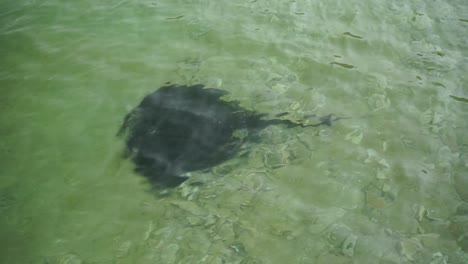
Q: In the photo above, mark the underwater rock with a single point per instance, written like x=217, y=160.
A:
x=169, y=254
x=438, y=258
x=348, y=245
x=377, y=198
x=355, y=136
x=277, y=158
x=377, y=102
x=462, y=209
x=124, y=249
x=459, y=229
x=461, y=181
x=69, y=259
x=179, y=129
x=410, y=248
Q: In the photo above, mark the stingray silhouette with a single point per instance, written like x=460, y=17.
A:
x=179, y=129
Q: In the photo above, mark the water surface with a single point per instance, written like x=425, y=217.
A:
x=388, y=185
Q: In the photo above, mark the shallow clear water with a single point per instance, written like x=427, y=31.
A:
x=388, y=185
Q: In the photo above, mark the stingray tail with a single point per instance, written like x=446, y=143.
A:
x=327, y=120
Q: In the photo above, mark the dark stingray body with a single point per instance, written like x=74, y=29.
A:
x=178, y=129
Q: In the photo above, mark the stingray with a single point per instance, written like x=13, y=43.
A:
x=179, y=129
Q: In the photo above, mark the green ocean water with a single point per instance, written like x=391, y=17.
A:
x=388, y=185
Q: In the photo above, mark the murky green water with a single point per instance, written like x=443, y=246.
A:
x=389, y=185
